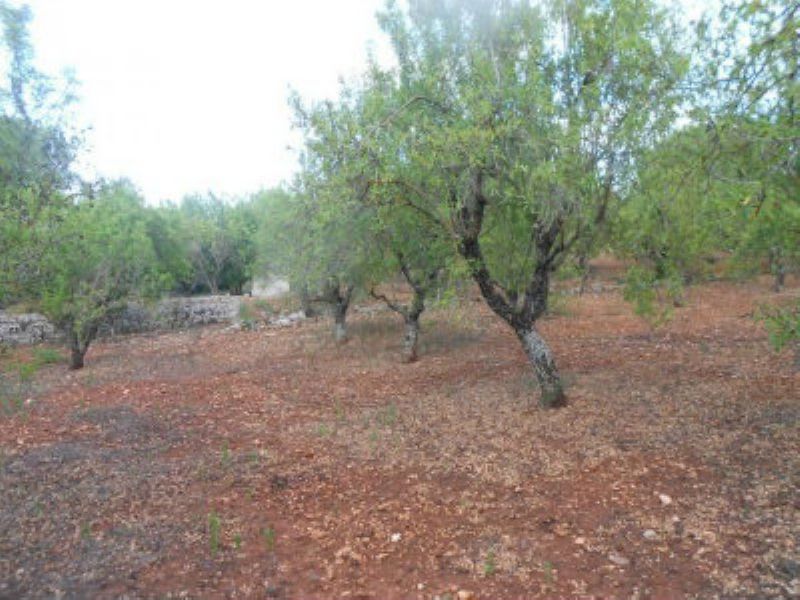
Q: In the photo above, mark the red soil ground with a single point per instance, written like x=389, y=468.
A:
x=250, y=464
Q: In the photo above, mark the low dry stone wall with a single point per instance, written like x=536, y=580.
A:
x=168, y=314
x=28, y=328
x=175, y=313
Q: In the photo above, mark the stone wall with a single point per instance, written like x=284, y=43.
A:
x=28, y=328
x=175, y=313
x=168, y=314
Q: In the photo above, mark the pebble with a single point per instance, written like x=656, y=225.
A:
x=665, y=500
x=618, y=559
x=396, y=537
x=650, y=534
x=465, y=595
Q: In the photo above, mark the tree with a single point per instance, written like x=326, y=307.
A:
x=103, y=260
x=418, y=251
x=220, y=239
x=36, y=155
x=675, y=221
x=336, y=257
x=518, y=127
x=765, y=91
x=167, y=231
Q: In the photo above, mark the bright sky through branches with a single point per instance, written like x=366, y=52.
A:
x=189, y=96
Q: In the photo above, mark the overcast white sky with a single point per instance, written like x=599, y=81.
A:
x=190, y=95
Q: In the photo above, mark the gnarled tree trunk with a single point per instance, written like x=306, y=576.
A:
x=410, y=313
x=519, y=308
x=338, y=297
x=340, y=323
x=411, y=339
x=778, y=268
x=306, y=306
x=78, y=346
x=544, y=366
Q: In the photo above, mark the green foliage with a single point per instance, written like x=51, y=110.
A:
x=490, y=564
x=214, y=533
x=219, y=242
x=103, y=260
x=547, y=128
x=47, y=356
x=508, y=133
x=783, y=325
x=268, y=534
x=36, y=155
x=652, y=295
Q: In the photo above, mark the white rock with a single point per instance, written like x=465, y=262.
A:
x=396, y=537
x=618, y=559
x=650, y=534
x=665, y=500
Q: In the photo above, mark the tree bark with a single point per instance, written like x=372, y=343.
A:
x=778, y=268
x=544, y=366
x=411, y=339
x=520, y=309
x=585, y=271
x=305, y=303
x=340, y=302
x=77, y=351
x=340, y=323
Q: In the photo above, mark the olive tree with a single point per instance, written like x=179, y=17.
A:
x=518, y=128
x=104, y=259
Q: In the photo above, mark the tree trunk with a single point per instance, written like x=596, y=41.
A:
x=780, y=279
x=411, y=339
x=778, y=268
x=585, y=271
x=77, y=351
x=305, y=303
x=339, y=300
x=520, y=311
x=340, y=323
x=540, y=357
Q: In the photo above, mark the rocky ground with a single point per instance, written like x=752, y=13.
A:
x=216, y=463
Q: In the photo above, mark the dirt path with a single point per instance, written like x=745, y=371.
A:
x=219, y=464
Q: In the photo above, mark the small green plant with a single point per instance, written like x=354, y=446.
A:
x=558, y=305
x=27, y=370
x=46, y=356
x=387, y=417
x=214, y=530
x=86, y=531
x=225, y=455
x=373, y=437
x=783, y=325
x=264, y=306
x=237, y=541
x=489, y=564
x=547, y=568
x=11, y=404
x=268, y=534
x=324, y=430
x=248, y=318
